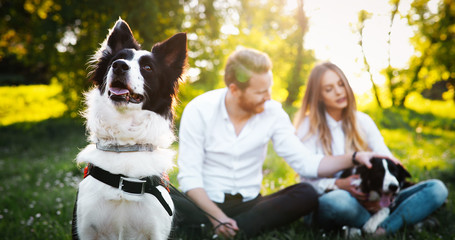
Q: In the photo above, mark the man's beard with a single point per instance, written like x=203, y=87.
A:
x=250, y=107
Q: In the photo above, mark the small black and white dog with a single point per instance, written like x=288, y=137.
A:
x=381, y=182
x=129, y=119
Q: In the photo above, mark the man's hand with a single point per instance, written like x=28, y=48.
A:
x=348, y=184
x=227, y=228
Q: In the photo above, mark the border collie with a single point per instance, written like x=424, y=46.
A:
x=381, y=182
x=129, y=119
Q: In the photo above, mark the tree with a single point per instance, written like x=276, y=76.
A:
x=44, y=41
x=435, y=41
x=390, y=71
x=268, y=26
x=431, y=70
x=296, y=79
x=51, y=40
x=364, y=16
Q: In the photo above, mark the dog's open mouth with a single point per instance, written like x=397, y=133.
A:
x=386, y=199
x=118, y=94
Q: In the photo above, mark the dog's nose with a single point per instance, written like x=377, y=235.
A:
x=120, y=67
x=393, y=187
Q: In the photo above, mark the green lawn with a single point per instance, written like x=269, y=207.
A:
x=39, y=176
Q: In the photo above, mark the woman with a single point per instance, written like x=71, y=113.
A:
x=329, y=123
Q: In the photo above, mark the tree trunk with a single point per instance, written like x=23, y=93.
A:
x=295, y=80
x=414, y=79
x=389, y=69
x=367, y=65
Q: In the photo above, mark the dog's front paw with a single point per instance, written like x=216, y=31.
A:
x=372, y=224
x=351, y=232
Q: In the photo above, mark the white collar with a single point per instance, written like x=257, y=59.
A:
x=223, y=104
x=332, y=123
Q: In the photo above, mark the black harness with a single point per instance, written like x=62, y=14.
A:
x=131, y=185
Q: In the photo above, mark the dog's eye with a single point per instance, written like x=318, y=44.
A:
x=147, y=68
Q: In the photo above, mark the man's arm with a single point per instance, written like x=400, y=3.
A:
x=199, y=196
x=332, y=164
x=304, y=161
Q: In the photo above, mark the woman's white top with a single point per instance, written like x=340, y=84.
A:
x=367, y=127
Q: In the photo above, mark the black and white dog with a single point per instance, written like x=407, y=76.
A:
x=129, y=120
x=381, y=182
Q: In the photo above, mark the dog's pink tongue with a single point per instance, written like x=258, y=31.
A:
x=385, y=201
x=119, y=91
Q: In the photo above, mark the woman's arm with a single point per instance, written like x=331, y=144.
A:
x=329, y=165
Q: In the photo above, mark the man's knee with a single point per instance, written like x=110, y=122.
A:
x=305, y=195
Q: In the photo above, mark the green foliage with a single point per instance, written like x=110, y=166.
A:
x=433, y=40
x=30, y=103
x=185, y=95
x=52, y=40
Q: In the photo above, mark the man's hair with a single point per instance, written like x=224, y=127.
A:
x=243, y=63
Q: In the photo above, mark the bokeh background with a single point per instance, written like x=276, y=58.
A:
x=398, y=55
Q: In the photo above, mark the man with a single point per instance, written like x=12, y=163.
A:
x=223, y=143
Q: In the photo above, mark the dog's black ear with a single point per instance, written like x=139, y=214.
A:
x=173, y=51
x=363, y=172
x=121, y=37
x=403, y=172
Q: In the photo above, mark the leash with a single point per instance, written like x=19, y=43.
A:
x=200, y=209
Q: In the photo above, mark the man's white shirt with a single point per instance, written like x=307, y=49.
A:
x=213, y=157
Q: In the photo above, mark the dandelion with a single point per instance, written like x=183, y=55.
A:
x=30, y=221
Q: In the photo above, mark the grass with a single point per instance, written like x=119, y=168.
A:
x=39, y=177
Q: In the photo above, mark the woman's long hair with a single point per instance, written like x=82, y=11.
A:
x=313, y=107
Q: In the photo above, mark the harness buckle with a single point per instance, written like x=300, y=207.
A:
x=132, y=186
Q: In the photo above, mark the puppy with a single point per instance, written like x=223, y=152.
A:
x=381, y=182
x=129, y=120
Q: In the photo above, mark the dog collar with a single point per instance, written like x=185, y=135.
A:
x=125, y=148
x=132, y=186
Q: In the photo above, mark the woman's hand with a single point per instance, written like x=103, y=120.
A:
x=350, y=184
x=227, y=228
x=371, y=206
x=364, y=158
